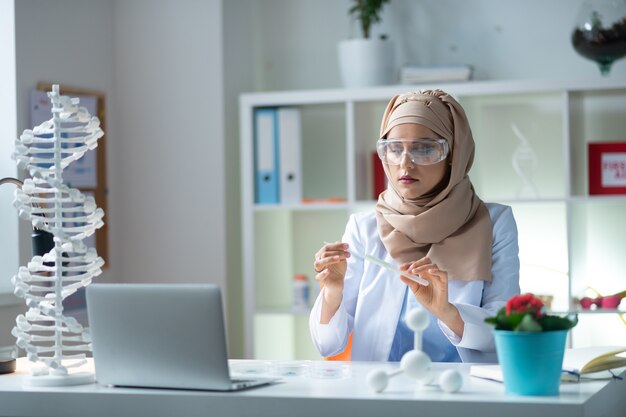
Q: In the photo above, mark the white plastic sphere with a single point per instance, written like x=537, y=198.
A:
x=450, y=380
x=429, y=376
x=417, y=319
x=377, y=380
x=415, y=364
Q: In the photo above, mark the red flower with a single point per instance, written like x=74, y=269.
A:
x=524, y=303
x=525, y=313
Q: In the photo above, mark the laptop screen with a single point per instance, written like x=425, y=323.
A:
x=158, y=335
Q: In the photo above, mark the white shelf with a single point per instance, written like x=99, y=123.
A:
x=471, y=88
x=599, y=199
x=565, y=115
x=584, y=312
x=303, y=207
x=289, y=311
x=359, y=203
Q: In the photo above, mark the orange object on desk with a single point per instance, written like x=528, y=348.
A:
x=346, y=355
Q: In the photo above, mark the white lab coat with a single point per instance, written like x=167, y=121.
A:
x=372, y=296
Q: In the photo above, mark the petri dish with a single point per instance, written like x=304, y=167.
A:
x=251, y=368
x=330, y=370
x=291, y=368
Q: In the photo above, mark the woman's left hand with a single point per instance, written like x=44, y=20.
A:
x=434, y=296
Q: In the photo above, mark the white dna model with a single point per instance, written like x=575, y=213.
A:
x=525, y=163
x=49, y=338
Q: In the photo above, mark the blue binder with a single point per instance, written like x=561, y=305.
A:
x=266, y=190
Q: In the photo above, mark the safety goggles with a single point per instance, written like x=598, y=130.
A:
x=419, y=151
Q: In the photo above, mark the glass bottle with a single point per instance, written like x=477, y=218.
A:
x=600, y=32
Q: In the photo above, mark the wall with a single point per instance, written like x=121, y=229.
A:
x=48, y=49
x=169, y=151
x=500, y=39
x=239, y=48
x=8, y=129
x=9, y=305
x=160, y=65
x=510, y=39
x=68, y=42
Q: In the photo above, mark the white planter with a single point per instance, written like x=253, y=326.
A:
x=366, y=62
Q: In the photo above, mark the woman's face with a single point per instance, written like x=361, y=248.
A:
x=412, y=180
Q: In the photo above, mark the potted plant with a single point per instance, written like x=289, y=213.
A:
x=530, y=345
x=366, y=61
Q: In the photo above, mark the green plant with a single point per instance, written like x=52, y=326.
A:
x=368, y=13
x=525, y=313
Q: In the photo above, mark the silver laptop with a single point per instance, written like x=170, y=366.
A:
x=160, y=336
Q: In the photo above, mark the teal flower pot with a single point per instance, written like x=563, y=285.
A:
x=531, y=362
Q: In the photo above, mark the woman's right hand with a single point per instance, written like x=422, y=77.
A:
x=331, y=265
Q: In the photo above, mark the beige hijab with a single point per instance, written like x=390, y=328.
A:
x=452, y=227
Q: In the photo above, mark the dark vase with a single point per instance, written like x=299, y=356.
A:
x=600, y=32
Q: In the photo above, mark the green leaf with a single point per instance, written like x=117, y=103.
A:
x=491, y=320
x=367, y=12
x=528, y=324
x=549, y=323
x=511, y=321
x=502, y=321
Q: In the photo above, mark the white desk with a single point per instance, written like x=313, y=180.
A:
x=306, y=396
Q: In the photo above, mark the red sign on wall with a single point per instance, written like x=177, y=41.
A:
x=607, y=168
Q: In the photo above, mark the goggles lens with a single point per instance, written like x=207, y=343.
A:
x=419, y=151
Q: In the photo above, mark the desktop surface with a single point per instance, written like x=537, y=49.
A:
x=344, y=392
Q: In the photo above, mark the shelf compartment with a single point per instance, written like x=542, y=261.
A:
x=324, y=154
x=285, y=244
x=367, y=118
x=596, y=116
x=598, y=330
x=495, y=121
x=543, y=262
x=598, y=260
x=283, y=337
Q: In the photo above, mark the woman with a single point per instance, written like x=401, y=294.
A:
x=431, y=223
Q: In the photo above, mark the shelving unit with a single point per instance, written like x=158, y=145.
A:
x=565, y=235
